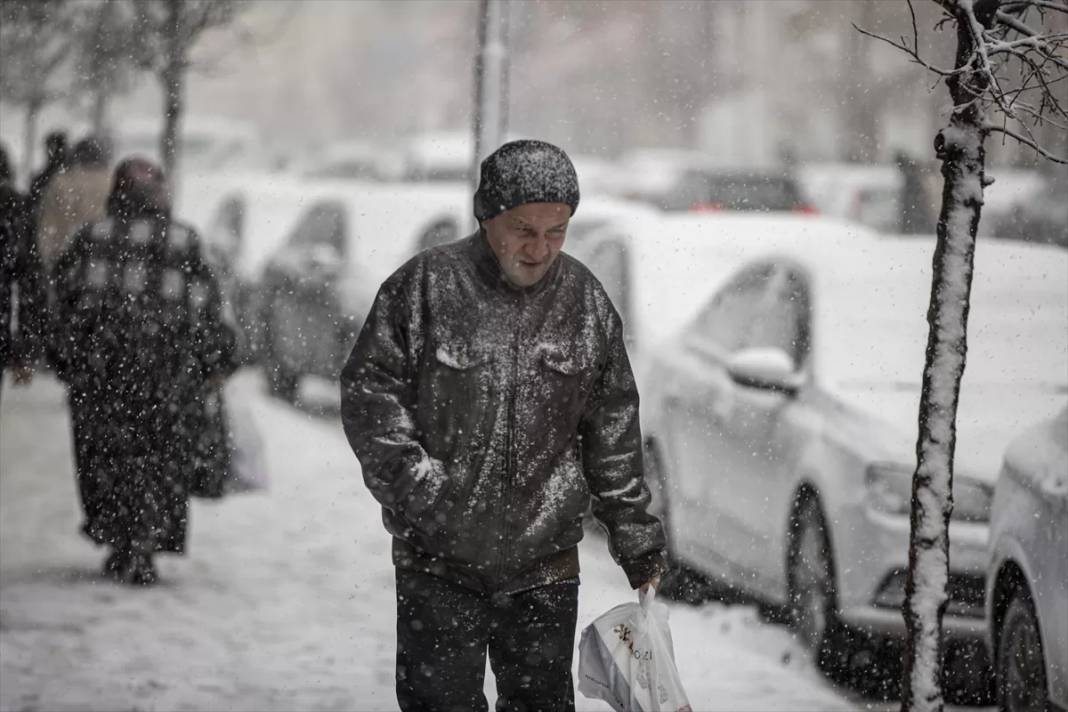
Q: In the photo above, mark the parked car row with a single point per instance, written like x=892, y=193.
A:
x=779, y=362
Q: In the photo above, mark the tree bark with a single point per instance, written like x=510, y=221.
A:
x=29, y=139
x=172, y=79
x=960, y=148
x=98, y=112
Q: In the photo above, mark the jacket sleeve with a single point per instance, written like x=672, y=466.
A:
x=377, y=409
x=612, y=459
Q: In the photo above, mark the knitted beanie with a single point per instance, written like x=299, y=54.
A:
x=521, y=172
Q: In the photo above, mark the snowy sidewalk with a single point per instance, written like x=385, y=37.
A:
x=285, y=601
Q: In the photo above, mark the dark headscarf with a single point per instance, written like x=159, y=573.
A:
x=139, y=189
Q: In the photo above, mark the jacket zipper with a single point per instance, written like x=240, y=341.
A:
x=509, y=448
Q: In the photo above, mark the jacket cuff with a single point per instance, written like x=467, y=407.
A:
x=644, y=568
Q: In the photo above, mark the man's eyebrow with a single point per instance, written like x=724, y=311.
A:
x=560, y=226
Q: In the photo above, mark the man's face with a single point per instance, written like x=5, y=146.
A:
x=527, y=239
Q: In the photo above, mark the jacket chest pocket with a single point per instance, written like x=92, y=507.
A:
x=565, y=381
x=457, y=394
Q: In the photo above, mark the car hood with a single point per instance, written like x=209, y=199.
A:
x=988, y=417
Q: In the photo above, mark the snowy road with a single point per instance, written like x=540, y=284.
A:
x=285, y=601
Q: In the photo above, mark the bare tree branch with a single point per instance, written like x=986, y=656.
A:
x=1027, y=142
x=1043, y=4
x=909, y=51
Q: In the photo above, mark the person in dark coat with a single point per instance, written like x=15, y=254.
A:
x=75, y=196
x=56, y=160
x=140, y=338
x=489, y=398
x=22, y=297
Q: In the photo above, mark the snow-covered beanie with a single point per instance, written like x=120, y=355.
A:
x=526, y=171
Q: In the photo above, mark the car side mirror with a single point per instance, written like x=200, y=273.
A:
x=324, y=258
x=766, y=368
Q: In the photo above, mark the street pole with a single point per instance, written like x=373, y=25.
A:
x=491, y=81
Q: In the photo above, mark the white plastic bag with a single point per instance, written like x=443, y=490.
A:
x=627, y=659
x=248, y=470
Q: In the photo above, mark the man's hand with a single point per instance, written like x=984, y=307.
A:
x=23, y=375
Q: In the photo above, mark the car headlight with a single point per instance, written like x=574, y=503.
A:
x=890, y=491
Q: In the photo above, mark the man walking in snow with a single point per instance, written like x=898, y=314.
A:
x=488, y=398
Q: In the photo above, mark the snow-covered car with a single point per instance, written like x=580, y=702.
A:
x=208, y=144
x=868, y=194
x=659, y=267
x=350, y=160
x=702, y=188
x=438, y=156
x=319, y=284
x=248, y=221
x=1027, y=580
x=781, y=423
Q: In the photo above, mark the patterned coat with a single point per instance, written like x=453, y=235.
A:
x=140, y=336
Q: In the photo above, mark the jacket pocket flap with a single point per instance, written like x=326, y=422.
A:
x=460, y=359
x=566, y=364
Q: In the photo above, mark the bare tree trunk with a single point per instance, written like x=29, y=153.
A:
x=173, y=80
x=29, y=139
x=98, y=112
x=862, y=140
x=960, y=148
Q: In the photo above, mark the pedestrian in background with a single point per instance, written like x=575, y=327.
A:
x=140, y=334
x=56, y=160
x=488, y=397
x=74, y=197
x=22, y=299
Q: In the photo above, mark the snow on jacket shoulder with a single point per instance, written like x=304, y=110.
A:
x=485, y=417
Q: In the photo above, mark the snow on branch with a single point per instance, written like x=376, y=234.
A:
x=1017, y=64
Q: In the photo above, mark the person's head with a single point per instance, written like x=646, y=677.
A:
x=5, y=166
x=139, y=188
x=56, y=146
x=90, y=152
x=527, y=192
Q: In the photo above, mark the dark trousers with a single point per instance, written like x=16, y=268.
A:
x=444, y=631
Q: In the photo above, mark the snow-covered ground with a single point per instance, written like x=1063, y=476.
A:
x=285, y=601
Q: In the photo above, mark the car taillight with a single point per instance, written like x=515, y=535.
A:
x=706, y=207
x=805, y=209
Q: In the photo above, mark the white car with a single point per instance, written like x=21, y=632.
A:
x=1027, y=580
x=868, y=194
x=782, y=419
x=320, y=282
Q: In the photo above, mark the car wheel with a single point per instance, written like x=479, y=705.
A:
x=1021, y=667
x=810, y=578
x=282, y=382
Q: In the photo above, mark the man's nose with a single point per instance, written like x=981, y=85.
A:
x=539, y=248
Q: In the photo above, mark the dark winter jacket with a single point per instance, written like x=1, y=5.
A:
x=485, y=417
x=22, y=298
